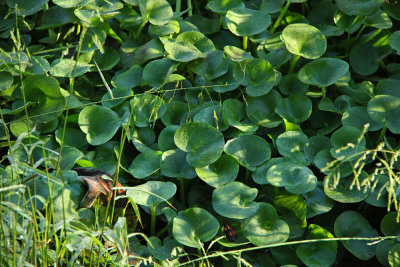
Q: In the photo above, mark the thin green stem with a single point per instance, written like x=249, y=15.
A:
x=378, y=31
x=246, y=178
x=382, y=135
x=190, y=8
x=182, y=191
x=245, y=41
x=178, y=6
x=295, y=58
x=279, y=19
x=323, y=88
x=153, y=220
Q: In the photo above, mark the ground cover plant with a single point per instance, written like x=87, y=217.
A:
x=199, y=133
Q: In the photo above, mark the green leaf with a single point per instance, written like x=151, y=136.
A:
x=304, y=40
x=91, y=122
x=348, y=143
x=359, y=7
x=295, y=108
x=68, y=68
x=188, y=46
x=314, y=145
x=220, y=172
x=364, y=58
x=222, y=6
x=56, y=17
x=394, y=41
x=263, y=228
x=193, y=226
x=389, y=225
x=128, y=78
x=174, y=164
x=257, y=75
x=213, y=66
x=243, y=21
x=261, y=110
x=290, y=84
x=162, y=252
x=249, y=150
x=291, y=144
x=358, y=117
x=296, y=178
x=156, y=72
x=26, y=8
x=203, y=143
x=385, y=109
x=70, y=3
x=317, y=254
x=323, y=72
x=147, y=108
x=235, y=200
x=93, y=40
x=151, y=193
x=233, y=114
x=317, y=202
x=394, y=255
x=342, y=191
x=353, y=224
x=166, y=138
x=158, y=12
x=45, y=92
x=6, y=80
x=145, y=164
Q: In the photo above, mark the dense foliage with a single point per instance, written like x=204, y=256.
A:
x=227, y=132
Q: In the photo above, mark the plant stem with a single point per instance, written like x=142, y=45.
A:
x=182, y=191
x=190, y=8
x=153, y=220
x=245, y=40
x=279, y=19
x=178, y=6
x=382, y=135
x=246, y=178
x=293, y=63
x=323, y=88
x=378, y=31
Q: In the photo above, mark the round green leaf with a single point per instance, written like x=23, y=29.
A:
x=151, y=193
x=193, y=226
x=323, y=72
x=72, y=137
x=296, y=178
x=203, y=143
x=26, y=8
x=257, y=74
x=353, y=224
x=379, y=20
x=386, y=109
x=394, y=41
x=263, y=228
x=211, y=115
x=389, y=225
x=314, y=145
x=158, y=12
x=394, y=256
x=156, y=72
x=6, y=80
x=233, y=114
x=261, y=110
x=145, y=164
x=39, y=65
x=249, y=150
x=222, y=6
x=290, y=84
x=92, y=122
x=304, y=40
x=364, y=58
x=166, y=138
x=235, y=200
x=45, y=92
x=317, y=202
x=188, y=46
x=128, y=78
x=348, y=143
x=176, y=111
x=317, y=254
x=219, y=173
x=70, y=3
x=295, y=108
x=147, y=108
x=162, y=252
x=243, y=21
x=358, y=117
x=213, y=66
x=359, y=7
x=174, y=164
x=93, y=40
x=291, y=144
x=342, y=191
x=66, y=68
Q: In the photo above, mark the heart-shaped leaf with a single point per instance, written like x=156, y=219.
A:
x=323, y=72
x=291, y=144
x=304, y=40
x=353, y=224
x=158, y=12
x=261, y=110
x=193, y=226
x=249, y=150
x=174, y=164
x=91, y=122
x=156, y=72
x=219, y=173
x=235, y=200
x=264, y=228
x=145, y=164
x=295, y=108
x=203, y=143
x=151, y=193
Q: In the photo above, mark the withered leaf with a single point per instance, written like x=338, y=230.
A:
x=99, y=185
